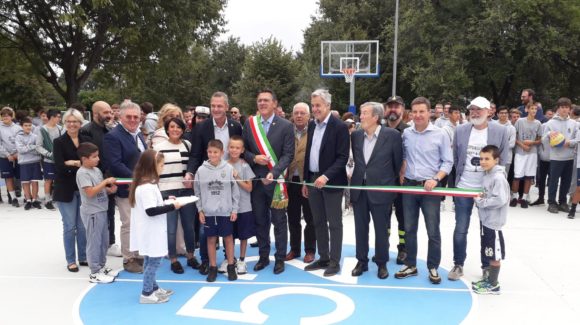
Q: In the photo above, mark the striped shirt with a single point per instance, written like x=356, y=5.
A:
x=175, y=166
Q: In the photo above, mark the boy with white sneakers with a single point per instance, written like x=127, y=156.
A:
x=94, y=204
x=528, y=131
x=244, y=226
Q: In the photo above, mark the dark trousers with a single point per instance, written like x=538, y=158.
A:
x=559, y=170
x=381, y=214
x=399, y=214
x=327, y=213
x=297, y=207
x=111, y=218
x=265, y=215
x=429, y=205
x=543, y=173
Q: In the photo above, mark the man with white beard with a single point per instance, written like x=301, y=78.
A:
x=469, y=139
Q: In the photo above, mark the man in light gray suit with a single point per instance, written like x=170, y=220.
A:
x=378, y=156
x=467, y=143
x=280, y=135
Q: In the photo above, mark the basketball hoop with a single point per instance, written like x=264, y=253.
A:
x=348, y=74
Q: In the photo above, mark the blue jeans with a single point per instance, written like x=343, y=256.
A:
x=429, y=205
x=73, y=229
x=150, y=266
x=187, y=214
x=463, y=209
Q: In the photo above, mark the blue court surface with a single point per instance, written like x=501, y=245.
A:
x=292, y=297
x=539, y=282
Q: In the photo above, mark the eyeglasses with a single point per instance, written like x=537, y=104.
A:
x=72, y=122
x=235, y=113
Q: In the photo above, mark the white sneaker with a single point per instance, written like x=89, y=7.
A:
x=241, y=267
x=223, y=267
x=109, y=271
x=100, y=277
x=153, y=299
x=163, y=292
x=114, y=250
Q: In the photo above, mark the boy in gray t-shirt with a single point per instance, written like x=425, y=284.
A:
x=94, y=204
x=528, y=137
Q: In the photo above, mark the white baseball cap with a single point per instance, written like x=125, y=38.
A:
x=480, y=102
x=202, y=110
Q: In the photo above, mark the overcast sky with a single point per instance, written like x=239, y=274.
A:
x=253, y=20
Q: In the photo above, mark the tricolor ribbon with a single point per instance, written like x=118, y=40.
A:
x=280, y=197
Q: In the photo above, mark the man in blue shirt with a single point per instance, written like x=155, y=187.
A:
x=427, y=158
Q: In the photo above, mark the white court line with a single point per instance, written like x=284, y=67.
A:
x=76, y=309
x=251, y=283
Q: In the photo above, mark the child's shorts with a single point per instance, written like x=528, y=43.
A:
x=492, y=244
x=525, y=166
x=9, y=169
x=48, y=170
x=30, y=172
x=245, y=226
x=218, y=226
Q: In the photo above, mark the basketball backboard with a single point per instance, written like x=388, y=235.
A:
x=337, y=56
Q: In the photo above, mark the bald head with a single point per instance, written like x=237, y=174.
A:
x=102, y=113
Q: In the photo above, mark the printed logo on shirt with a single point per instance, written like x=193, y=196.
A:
x=215, y=187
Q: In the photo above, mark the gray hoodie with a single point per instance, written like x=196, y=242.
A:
x=26, y=146
x=493, y=206
x=8, y=139
x=218, y=192
x=43, y=144
x=568, y=128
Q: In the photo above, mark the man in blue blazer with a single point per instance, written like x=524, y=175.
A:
x=468, y=140
x=378, y=156
x=327, y=151
x=122, y=147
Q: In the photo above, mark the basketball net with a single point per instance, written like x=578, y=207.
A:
x=348, y=74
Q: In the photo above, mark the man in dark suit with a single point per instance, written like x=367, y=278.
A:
x=217, y=127
x=378, y=156
x=326, y=156
x=280, y=134
x=122, y=148
x=95, y=131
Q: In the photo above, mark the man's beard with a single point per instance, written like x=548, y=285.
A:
x=393, y=117
x=478, y=121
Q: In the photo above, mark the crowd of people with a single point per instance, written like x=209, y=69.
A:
x=250, y=174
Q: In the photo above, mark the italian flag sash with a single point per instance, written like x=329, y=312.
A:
x=280, y=198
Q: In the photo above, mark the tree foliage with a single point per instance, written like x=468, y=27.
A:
x=458, y=49
x=73, y=38
x=267, y=64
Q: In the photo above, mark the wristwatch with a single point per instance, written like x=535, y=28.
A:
x=436, y=179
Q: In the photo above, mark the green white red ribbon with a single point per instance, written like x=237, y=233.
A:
x=438, y=191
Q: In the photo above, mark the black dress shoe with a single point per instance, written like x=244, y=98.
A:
x=204, y=268
x=254, y=244
x=359, y=269
x=316, y=265
x=262, y=263
x=278, y=267
x=383, y=272
x=332, y=269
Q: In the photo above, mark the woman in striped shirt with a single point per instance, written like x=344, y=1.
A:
x=176, y=152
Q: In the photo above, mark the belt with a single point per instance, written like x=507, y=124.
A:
x=412, y=182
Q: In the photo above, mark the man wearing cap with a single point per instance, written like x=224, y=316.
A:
x=201, y=114
x=469, y=139
x=427, y=159
x=217, y=127
x=394, y=109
